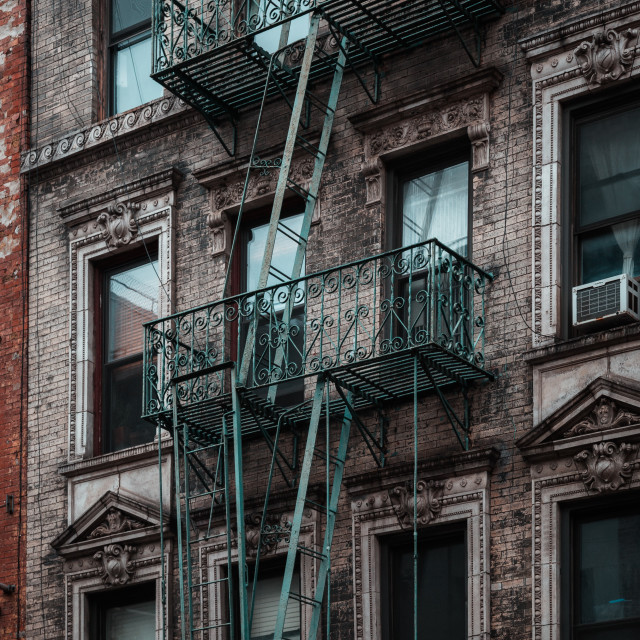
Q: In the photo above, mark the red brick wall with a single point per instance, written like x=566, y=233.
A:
x=14, y=93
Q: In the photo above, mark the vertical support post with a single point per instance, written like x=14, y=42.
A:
x=176, y=464
x=227, y=513
x=415, y=497
x=241, y=538
x=163, y=580
x=187, y=522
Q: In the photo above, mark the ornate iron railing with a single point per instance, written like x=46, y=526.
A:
x=185, y=29
x=416, y=297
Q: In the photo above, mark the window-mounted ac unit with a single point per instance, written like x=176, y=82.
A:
x=613, y=299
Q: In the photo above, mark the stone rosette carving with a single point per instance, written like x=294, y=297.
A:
x=116, y=522
x=607, y=466
x=428, y=502
x=115, y=564
x=608, y=56
x=119, y=226
x=277, y=530
x=605, y=415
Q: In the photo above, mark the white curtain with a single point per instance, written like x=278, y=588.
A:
x=627, y=235
x=436, y=206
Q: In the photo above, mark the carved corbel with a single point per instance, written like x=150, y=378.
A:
x=479, y=136
x=372, y=172
x=609, y=56
x=277, y=530
x=220, y=229
x=118, y=224
x=428, y=505
x=607, y=466
x=116, y=566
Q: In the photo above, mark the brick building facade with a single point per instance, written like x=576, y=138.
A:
x=14, y=117
x=511, y=164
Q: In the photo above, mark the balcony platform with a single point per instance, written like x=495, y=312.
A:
x=208, y=53
x=365, y=326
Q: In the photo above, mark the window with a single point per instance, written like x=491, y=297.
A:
x=442, y=586
x=266, y=604
x=128, y=297
x=433, y=202
x=601, y=573
x=606, y=193
x=123, y=613
x=270, y=328
x=130, y=55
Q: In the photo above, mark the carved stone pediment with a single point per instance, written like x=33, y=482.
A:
x=608, y=408
x=113, y=519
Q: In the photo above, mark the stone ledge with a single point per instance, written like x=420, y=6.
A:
x=580, y=344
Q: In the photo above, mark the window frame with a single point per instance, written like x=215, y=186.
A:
x=98, y=602
x=572, y=513
x=131, y=35
x=256, y=218
x=388, y=543
x=440, y=157
x=103, y=268
x=582, y=113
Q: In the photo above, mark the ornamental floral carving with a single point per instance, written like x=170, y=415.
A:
x=607, y=466
x=116, y=522
x=428, y=495
x=115, y=564
x=605, y=415
x=608, y=57
x=119, y=226
x=277, y=529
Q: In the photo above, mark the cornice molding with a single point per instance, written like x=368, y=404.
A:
x=565, y=36
x=149, y=121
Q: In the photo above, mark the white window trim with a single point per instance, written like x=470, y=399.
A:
x=155, y=224
x=554, y=483
x=214, y=568
x=557, y=78
x=465, y=500
x=80, y=585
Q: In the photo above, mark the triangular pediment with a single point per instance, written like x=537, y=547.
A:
x=112, y=518
x=609, y=405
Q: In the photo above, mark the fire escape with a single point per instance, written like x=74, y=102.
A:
x=359, y=336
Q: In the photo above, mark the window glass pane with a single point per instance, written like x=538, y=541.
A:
x=611, y=251
x=124, y=407
x=436, y=206
x=284, y=252
x=131, y=621
x=133, y=300
x=442, y=589
x=128, y=13
x=609, y=166
x=132, y=84
x=608, y=569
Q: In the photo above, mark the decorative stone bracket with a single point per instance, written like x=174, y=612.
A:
x=607, y=466
x=118, y=224
x=428, y=506
x=115, y=564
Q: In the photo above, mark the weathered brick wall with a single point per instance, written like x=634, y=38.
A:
x=501, y=241
x=14, y=117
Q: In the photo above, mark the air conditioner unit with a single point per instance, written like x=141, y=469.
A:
x=614, y=299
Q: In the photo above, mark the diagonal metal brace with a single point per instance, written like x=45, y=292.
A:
x=370, y=440
x=457, y=424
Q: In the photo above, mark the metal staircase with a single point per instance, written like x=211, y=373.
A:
x=359, y=351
